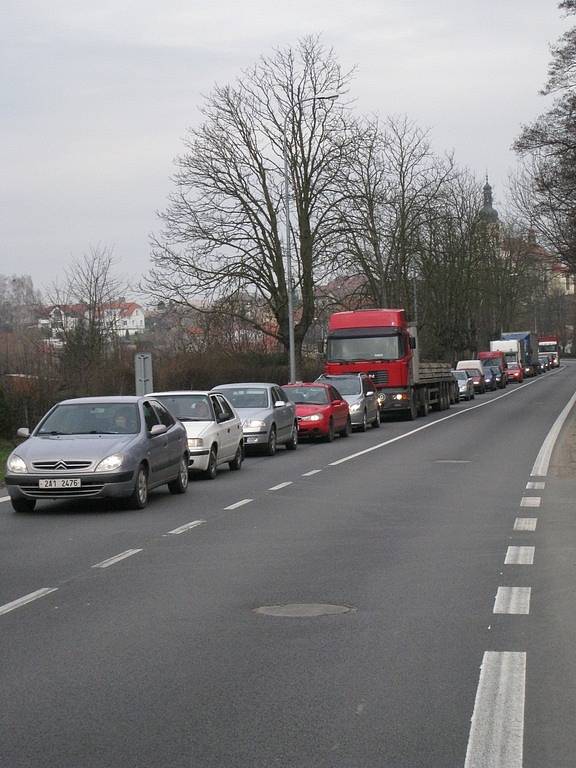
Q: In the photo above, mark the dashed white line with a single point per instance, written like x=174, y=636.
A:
x=512, y=600
x=312, y=472
x=280, y=486
x=117, y=558
x=525, y=523
x=4, y=498
x=540, y=468
x=519, y=556
x=187, y=527
x=530, y=501
x=238, y=504
x=26, y=599
x=535, y=486
x=497, y=730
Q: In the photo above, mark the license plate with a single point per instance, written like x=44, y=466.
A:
x=60, y=482
x=252, y=440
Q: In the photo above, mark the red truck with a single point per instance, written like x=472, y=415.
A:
x=498, y=360
x=379, y=343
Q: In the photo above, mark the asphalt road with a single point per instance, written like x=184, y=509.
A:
x=159, y=659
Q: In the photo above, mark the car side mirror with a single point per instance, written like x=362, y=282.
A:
x=279, y=404
x=370, y=393
x=158, y=429
x=23, y=432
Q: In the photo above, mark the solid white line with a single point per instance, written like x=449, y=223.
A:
x=239, y=504
x=431, y=424
x=4, y=498
x=26, y=599
x=497, y=730
x=117, y=558
x=312, y=472
x=280, y=485
x=513, y=600
x=532, y=486
x=530, y=501
x=519, y=556
x=525, y=523
x=540, y=468
x=452, y=461
x=187, y=527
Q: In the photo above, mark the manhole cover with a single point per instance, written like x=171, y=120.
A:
x=303, y=610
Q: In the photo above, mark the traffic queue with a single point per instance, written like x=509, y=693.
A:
x=123, y=447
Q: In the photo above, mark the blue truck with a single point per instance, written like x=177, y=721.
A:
x=528, y=347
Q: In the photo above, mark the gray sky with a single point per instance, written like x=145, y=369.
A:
x=96, y=96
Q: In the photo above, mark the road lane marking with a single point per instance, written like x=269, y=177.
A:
x=519, y=556
x=26, y=599
x=238, y=504
x=4, y=498
x=513, y=600
x=540, y=468
x=452, y=461
x=117, y=558
x=187, y=527
x=497, y=729
x=530, y=501
x=312, y=472
x=431, y=424
x=532, y=486
x=280, y=485
x=525, y=523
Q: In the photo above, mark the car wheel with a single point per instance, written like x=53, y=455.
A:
x=347, y=431
x=376, y=422
x=212, y=469
x=271, y=445
x=236, y=462
x=330, y=434
x=364, y=425
x=292, y=444
x=139, y=497
x=23, y=505
x=180, y=483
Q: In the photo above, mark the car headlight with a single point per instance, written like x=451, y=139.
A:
x=355, y=408
x=381, y=397
x=312, y=417
x=17, y=465
x=195, y=442
x=254, y=423
x=110, y=463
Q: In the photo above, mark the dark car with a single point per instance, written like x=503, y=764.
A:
x=478, y=379
x=99, y=447
x=490, y=378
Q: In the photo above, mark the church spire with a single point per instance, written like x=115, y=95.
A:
x=488, y=213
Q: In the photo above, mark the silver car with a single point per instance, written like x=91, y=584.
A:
x=268, y=416
x=360, y=394
x=99, y=447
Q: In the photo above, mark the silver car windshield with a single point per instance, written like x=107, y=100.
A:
x=247, y=397
x=188, y=407
x=92, y=419
x=345, y=385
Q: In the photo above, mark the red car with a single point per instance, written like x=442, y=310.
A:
x=515, y=372
x=320, y=409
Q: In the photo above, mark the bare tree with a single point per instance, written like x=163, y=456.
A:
x=392, y=182
x=222, y=236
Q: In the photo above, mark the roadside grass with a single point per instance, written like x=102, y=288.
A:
x=6, y=447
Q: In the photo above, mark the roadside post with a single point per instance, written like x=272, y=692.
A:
x=143, y=373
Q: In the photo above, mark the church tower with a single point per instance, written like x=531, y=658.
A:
x=488, y=213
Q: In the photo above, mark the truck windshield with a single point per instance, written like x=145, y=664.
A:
x=552, y=347
x=347, y=350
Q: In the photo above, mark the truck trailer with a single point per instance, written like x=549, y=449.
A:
x=381, y=344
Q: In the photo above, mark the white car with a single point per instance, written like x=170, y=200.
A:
x=213, y=427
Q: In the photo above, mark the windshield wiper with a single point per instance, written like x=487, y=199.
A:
x=54, y=432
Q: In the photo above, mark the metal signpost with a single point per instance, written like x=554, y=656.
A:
x=143, y=373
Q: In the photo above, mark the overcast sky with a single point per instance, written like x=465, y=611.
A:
x=97, y=94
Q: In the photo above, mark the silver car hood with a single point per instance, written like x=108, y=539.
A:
x=247, y=414
x=74, y=447
x=352, y=399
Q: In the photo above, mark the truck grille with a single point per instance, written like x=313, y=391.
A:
x=379, y=377
x=60, y=465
